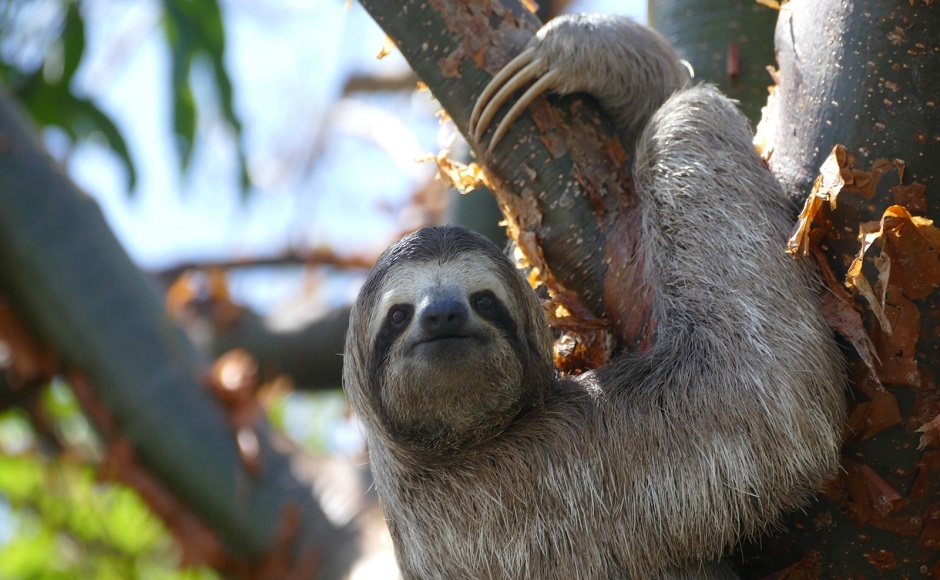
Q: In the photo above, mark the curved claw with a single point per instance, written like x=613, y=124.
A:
x=513, y=66
x=539, y=87
x=519, y=71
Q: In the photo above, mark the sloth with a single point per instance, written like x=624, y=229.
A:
x=489, y=464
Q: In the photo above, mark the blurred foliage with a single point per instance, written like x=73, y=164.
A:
x=64, y=523
x=42, y=43
x=194, y=30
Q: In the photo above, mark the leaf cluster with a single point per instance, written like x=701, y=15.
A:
x=40, y=68
x=67, y=523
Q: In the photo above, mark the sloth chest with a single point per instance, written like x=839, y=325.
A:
x=513, y=525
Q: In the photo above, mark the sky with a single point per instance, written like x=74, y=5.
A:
x=288, y=60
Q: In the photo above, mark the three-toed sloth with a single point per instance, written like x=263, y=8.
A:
x=488, y=465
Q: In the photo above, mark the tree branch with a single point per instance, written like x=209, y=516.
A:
x=77, y=290
x=728, y=43
x=560, y=174
x=311, y=355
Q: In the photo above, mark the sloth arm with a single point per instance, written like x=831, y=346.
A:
x=734, y=415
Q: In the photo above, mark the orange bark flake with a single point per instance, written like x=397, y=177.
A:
x=930, y=431
x=879, y=412
x=450, y=64
x=575, y=353
x=838, y=174
x=197, y=287
x=841, y=314
x=234, y=379
x=388, y=45
x=911, y=244
x=864, y=182
x=897, y=349
x=463, y=177
x=905, y=268
x=928, y=468
x=908, y=259
x=826, y=190
x=882, y=560
x=930, y=536
x=911, y=196
x=474, y=21
x=809, y=568
x=26, y=360
x=236, y=376
x=872, y=500
x=856, y=280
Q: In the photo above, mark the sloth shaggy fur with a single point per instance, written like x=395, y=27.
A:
x=490, y=466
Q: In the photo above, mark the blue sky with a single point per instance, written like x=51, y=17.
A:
x=287, y=60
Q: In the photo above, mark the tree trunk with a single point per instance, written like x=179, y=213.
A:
x=561, y=175
x=867, y=76
x=728, y=43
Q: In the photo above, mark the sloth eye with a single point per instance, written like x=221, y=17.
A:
x=398, y=316
x=493, y=311
x=485, y=303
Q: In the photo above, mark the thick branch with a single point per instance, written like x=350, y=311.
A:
x=560, y=173
x=311, y=355
x=292, y=258
x=77, y=290
x=864, y=76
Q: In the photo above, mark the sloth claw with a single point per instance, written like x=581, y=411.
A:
x=518, y=72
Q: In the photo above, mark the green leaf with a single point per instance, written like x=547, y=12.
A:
x=31, y=556
x=195, y=29
x=54, y=105
x=72, y=526
x=20, y=477
x=73, y=43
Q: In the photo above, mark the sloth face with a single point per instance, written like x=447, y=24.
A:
x=447, y=342
x=450, y=347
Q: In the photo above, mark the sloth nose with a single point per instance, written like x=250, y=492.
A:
x=443, y=317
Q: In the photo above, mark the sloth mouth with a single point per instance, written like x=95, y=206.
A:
x=446, y=337
x=455, y=344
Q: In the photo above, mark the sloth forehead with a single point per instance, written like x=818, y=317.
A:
x=408, y=282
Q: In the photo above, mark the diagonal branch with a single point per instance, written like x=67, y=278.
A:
x=76, y=289
x=561, y=175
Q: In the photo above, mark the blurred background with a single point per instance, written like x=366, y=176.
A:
x=253, y=158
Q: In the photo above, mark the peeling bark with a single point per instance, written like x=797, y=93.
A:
x=866, y=76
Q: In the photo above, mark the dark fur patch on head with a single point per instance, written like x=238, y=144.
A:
x=435, y=243
x=442, y=243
